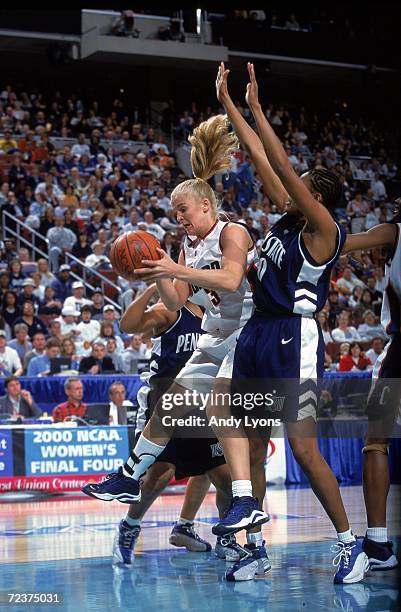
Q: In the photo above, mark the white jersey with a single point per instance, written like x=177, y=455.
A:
x=225, y=311
x=391, y=307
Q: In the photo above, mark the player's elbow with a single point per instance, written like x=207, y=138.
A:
x=233, y=283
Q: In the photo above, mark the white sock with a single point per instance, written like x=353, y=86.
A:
x=346, y=536
x=241, y=488
x=141, y=457
x=255, y=538
x=132, y=522
x=378, y=534
x=184, y=521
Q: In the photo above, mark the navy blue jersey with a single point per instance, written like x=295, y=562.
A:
x=287, y=280
x=172, y=349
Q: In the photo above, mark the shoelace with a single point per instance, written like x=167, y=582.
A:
x=110, y=477
x=191, y=529
x=129, y=536
x=342, y=552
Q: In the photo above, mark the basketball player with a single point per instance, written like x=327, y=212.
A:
x=385, y=395
x=282, y=339
x=211, y=269
x=175, y=337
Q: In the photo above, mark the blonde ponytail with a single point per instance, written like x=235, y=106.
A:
x=212, y=147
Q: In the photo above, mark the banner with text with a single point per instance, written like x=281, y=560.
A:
x=6, y=453
x=81, y=450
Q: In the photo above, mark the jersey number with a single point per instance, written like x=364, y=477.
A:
x=214, y=298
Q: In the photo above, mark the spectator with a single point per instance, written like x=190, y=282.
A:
x=49, y=305
x=348, y=281
x=124, y=25
x=148, y=225
x=61, y=240
x=10, y=309
x=68, y=350
x=97, y=362
x=110, y=315
x=21, y=343
x=355, y=298
x=107, y=332
x=62, y=284
x=173, y=31
x=370, y=329
x=324, y=325
x=355, y=360
x=5, y=327
x=16, y=275
x=292, y=23
x=118, y=404
x=81, y=248
x=97, y=259
x=40, y=365
x=10, y=363
x=18, y=402
x=27, y=293
x=344, y=331
x=68, y=321
x=38, y=348
x=77, y=300
x=31, y=320
x=113, y=353
x=357, y=209
x=135, y=356
x=327, y=406
x=376, y=350
x=169, y=245
x=97, y=304
x=334, y=307
x=88, y=329
x=74, y=405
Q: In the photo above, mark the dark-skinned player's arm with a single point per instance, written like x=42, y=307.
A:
x=323, y=229
x=139, y=319
x=272, y=185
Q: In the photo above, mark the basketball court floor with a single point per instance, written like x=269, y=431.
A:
x=62, y=544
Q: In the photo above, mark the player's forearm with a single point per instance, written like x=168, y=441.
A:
x=131, y=321
x=272, y=146
x=228, y=280
x=169, y=294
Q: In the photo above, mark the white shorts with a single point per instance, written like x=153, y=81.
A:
x=213, y=358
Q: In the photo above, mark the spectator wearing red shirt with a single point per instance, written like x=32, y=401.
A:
x=355, y=360
x=74, y=390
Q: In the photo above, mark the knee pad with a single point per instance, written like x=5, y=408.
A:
x=379, y=447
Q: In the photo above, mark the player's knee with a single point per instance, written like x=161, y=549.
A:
x=305, y=454
x=257, y=452
x=158, y=479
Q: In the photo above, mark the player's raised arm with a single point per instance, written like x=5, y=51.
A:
x=272, y=185
x=308, y=202
x=138, y=318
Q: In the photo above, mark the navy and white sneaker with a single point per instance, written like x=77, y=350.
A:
x=184, y=535
x=380, y=554
x=115, y=486
x=255, y=563
x=351, y=561
x=244, y=513
x=124, y=542
x=228, y=549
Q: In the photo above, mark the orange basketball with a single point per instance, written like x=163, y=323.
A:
x=128, y=251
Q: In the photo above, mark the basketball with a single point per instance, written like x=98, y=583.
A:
x=128, y=251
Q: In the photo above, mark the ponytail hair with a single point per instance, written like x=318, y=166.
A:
x=212, y=147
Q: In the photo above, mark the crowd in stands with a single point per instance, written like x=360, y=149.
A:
x=81, y=195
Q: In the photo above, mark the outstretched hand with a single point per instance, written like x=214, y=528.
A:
x=252, y=93
x=221, y=83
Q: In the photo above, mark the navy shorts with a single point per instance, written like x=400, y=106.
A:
x=281, y=355
x=385, y=394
